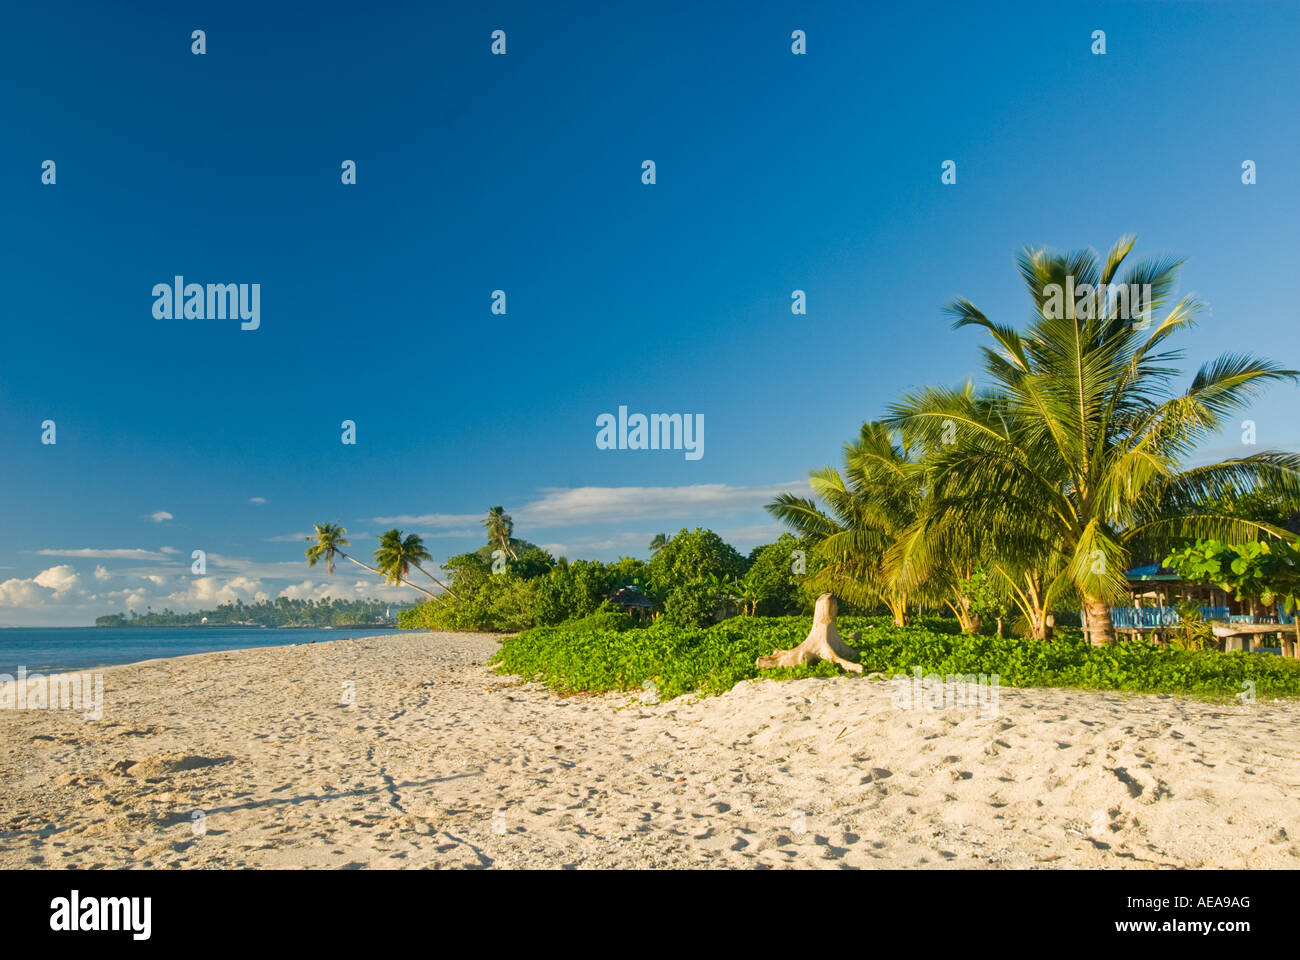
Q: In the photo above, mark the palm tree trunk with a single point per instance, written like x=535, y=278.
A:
x=358, y=562
x=1037, y=608
x=435, y=580
x=1101, y=631
x=898, y=607
x=505, y=545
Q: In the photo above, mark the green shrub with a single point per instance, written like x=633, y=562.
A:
x=713, y=659
x=694, y=604
x=608, y=617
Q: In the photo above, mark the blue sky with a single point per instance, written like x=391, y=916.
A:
x=522, y=173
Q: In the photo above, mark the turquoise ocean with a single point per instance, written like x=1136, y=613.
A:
x=52, y=649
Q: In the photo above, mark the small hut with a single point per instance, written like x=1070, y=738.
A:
x=633, y=601
x=1155, y=592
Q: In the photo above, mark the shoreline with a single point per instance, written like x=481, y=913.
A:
x=256, y=758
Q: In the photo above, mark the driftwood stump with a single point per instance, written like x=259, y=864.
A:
x=823, y=643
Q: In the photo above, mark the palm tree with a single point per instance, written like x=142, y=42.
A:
x=869, y=509
x=396, y=556
x=500, y=530
x=330, y=540
x=748, y=594
x=1073, y=463
x=659, y=542
x=940, y=552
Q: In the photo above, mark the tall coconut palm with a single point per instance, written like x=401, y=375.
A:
x=867, y=510
x=501, y=530
x=1077, y=454
x=658, y=542
x=396, y=556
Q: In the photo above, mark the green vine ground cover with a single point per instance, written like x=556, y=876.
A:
x=606, y=651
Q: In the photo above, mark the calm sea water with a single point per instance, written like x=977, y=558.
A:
x=50, y=649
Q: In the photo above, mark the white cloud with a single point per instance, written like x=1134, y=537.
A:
x=20, y=593
x=745, y=539
x=87, y=553
x=207, y=592
x=54, y=583
x=161, y=516
x=433, y=521
x=579, y=505
x=257, y=500
x=262, y=570
x=627, y=541
x=60, y=578
x=354, y=590
x=100, y=573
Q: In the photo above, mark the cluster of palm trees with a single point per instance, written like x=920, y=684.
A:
x=398, y=554
x=393, y=560
x=1068, y=468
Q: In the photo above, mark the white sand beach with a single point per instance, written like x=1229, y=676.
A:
x=443, y=763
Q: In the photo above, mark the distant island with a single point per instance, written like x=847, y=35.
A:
x=282, y=612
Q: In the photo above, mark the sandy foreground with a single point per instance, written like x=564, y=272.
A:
x=443, y=763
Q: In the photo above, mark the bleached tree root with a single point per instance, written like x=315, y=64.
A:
x=823, y=643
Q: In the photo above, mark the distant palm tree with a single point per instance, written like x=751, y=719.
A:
x=659, y=542
x=500, y=530
x=749, y=596
x=396, y=556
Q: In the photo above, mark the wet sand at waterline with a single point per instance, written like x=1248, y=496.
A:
x=443, y=763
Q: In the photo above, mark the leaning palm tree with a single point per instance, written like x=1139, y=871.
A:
x=1076, y=458
x=396, y=556
x=658, y=542
x=331, y=538
x=867, y=510
x=501, y=530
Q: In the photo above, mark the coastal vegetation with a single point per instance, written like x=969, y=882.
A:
x=280, y=612
x=692, y=578
x=1014, y=509
x=1068, y=468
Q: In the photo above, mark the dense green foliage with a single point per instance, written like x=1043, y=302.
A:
x=694, y=578
x=695, y=603
x=281, y=612
x=1268, y=571
x=589, y=656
